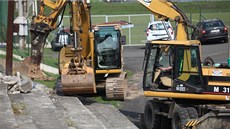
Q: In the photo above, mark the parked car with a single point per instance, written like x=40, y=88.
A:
x=62, y=38
x=115, y=0
x=210, y=30
x=157, y=31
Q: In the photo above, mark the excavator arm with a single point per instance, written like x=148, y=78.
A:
x=42, y=25
x=46, y=21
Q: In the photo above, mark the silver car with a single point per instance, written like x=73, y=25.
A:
x=157, y=31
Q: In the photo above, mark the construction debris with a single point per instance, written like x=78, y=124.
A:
x=17, y=84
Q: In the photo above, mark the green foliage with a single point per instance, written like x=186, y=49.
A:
x=49, y=83
x=104, y=8
x=50, y=57
x=101, y=99
x=129, y=73
x=4, y=57
x=206, y=7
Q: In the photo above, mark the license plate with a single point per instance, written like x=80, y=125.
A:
x=215, y=31
x=219, y=89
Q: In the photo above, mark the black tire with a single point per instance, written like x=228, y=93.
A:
x=142, y=122
x=226, y=40
x=179, y=118
x=165, y=123
x=152, y=120
x=192, y=112
x=208, y=61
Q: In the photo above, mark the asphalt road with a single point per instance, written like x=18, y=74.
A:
x=133, y=60
x=218, y=51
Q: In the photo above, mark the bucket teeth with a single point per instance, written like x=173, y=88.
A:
x=78, y=84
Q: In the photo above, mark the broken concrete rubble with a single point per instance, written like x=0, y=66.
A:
x=17, y=83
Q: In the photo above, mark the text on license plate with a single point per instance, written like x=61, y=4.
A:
x=220, y=89
x=215, y=31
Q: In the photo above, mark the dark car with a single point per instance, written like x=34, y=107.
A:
x=62, y=38
x=210, y=30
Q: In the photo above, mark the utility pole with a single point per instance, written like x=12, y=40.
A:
x=9, y=38
x=22, y=23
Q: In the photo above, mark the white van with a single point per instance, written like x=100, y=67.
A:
x=157, y=31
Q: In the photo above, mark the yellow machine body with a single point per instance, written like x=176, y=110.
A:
x=79, y=65
x=186, y=93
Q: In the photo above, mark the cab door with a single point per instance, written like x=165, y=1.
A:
x=187, y=70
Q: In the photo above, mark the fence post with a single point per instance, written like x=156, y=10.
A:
x=106, y=18
x=129, y=32
x=200, y=14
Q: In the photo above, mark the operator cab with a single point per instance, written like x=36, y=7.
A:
x=172, y=67
x=107, y=48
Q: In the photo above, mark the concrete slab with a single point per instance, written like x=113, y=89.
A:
x=22, y=115
x=110, y=116
x=81, y=117
x=7, y=119
x=43, y=111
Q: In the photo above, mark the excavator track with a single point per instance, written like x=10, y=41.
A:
x=116, y=87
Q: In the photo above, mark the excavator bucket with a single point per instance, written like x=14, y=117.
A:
x=78, y=84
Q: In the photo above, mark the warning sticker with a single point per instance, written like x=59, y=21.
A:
x=217, y=72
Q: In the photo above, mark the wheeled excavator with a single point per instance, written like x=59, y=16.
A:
x=186, y=93
x=93, y=60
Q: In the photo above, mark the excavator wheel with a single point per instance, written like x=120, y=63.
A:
x=116, y=87
x=152, y=120
x=165, y=122
x=179, y=118
x=192, y=113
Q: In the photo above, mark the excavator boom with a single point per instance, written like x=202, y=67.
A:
x=41, y=26
x=76, y=75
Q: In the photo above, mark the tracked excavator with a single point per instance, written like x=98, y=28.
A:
x=186, y=93
x=93, y=60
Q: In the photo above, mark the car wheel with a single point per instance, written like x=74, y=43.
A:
x=226, y=40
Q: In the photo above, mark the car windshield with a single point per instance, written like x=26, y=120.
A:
x=158, y=26
x=213, y=24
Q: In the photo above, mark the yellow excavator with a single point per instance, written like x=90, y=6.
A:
x=186, y=94
x=93, y=60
